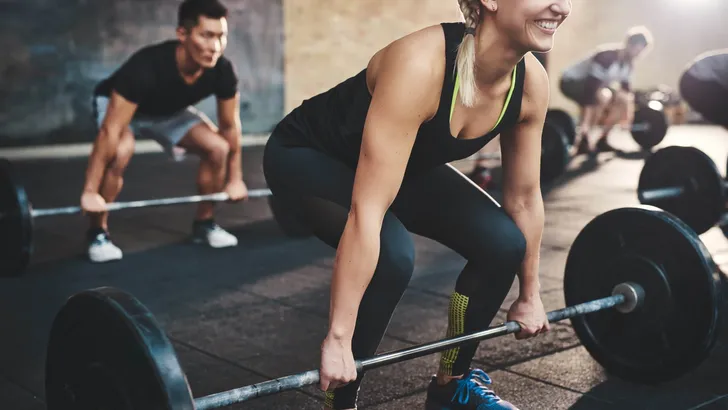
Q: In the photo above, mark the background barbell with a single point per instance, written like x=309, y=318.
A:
x=644, y=314
x=648, y=129
x=17, y=215
x=685, y=182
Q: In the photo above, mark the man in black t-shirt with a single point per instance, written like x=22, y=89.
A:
x=601, y=85
x=152, y=94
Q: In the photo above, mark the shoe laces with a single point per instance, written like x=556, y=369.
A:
x=476, y=384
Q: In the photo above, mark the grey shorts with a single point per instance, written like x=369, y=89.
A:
x=167, y=131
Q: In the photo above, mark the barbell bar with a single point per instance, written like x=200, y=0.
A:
x=672, y=192
x=643, y=295
x=17, y=215
x=116, y=206
x=685, y=182
x=626, y=296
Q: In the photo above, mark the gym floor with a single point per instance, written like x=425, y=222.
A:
x=243, y=315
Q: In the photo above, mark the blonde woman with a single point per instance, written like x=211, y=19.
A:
x=365, y=164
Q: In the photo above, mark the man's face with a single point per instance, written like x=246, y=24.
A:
x=206, y=41
x=634, y=50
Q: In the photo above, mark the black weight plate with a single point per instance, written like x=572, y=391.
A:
x=554, y=152
x=16, y=224
x=106, y=351
x=657, y=120
x=565, y=121
x=676, y=327
x=702, y=204
x=287, y=221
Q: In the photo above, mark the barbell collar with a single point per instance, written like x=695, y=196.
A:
x=310, y=377
x=115, y=206
x=634, y=296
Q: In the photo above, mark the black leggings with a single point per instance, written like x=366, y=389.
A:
x=441, y=204
x=707, y=98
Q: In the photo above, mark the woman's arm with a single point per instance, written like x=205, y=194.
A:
x=521, y=156
x=408, y=82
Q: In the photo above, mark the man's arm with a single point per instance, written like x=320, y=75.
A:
x=118, y=116
x=521, y=158
x=228, y=111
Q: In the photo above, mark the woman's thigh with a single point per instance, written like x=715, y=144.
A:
x=317, y=188
x=446, y=206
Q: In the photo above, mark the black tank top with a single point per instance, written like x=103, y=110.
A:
x=333, y=121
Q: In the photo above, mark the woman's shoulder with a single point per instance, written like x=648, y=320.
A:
x=428, y=41
x=536, y=86
x=420, y=54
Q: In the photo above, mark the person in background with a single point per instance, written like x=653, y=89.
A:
x=704, y=86
x=600, y=85
x=152, y=94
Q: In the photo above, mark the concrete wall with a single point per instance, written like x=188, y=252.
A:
x=329, y=40
x=55, y=51
x=287, y=50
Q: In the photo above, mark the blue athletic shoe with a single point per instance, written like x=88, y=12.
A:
x=469, y=393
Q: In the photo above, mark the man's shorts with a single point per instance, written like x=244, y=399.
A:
x=575, y=91
x=167, y=131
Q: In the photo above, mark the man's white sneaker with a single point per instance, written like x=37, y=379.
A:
x=101, y=249
x=211, y=234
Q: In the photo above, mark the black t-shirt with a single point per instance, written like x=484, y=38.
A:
x=150, y=78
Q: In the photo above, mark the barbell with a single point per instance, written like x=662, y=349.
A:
x=641, y=290
x=648, y=128
x=685, y=182
x=17, y=215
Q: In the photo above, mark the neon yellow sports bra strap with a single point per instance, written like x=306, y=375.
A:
x=505, y=106
x=454, y=95
x=508, y=98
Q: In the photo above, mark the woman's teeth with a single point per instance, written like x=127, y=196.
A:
x=548, y=24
